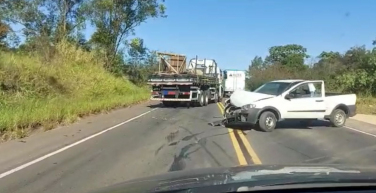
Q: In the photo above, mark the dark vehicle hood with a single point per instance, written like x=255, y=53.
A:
x=255, y=175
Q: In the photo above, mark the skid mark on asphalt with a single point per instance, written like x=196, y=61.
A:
x=173, y=143
x=189, y=137
x=179, y=163
x=199, y=143
x=186, y=142
x=172, y=136
x=202, y=143
x=159, y=149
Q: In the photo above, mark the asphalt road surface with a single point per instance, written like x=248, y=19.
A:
x=149, y=139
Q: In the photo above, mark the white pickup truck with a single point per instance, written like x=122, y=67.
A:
x=288, y=100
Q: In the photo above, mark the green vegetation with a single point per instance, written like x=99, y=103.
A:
x=351, y=72
x=55, y=75
x=71, y=85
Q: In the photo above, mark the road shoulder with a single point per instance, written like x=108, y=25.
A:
x=361, y=126
x=16, y=152
x=371, y=119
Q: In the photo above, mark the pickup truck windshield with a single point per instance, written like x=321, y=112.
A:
x=273, y=88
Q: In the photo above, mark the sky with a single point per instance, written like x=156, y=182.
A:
x=233, y=32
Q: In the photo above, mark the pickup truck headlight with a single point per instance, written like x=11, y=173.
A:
x=249, y=106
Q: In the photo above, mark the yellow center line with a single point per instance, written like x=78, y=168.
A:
x=255, y=158
x=252, y=153
x=235, y=143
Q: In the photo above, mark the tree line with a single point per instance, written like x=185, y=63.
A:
x=352, y=71
x=36, y=26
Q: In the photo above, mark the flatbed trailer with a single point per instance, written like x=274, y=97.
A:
x=195, y=86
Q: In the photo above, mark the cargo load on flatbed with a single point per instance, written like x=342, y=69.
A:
x=197, y=83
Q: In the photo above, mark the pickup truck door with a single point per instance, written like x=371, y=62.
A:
x=306, y=101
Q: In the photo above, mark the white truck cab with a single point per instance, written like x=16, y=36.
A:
x=289, y=99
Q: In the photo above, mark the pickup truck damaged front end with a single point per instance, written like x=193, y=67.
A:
x=237, y=116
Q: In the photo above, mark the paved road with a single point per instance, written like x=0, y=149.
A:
x=77, y=158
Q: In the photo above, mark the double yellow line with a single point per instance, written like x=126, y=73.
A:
x=238, y=143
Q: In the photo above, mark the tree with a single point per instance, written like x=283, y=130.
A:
x=141, y=63
x=115, y=20
x=256, y=63
x=4, y=26
x=4, y=31
x=137, y=51
x=356, y=57
x=332, y=61
x=291, y=55
x=51, y=20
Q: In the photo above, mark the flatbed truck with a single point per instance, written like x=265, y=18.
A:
x=195, y=84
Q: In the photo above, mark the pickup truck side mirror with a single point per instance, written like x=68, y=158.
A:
x=288, y=96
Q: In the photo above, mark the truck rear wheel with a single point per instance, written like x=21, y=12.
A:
x=338, y=118
x=216, y=98
x=267, y=121
x=206, y=98
x=201, y=98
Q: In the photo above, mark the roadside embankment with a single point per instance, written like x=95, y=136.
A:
x=366, y=105
x=35, y=93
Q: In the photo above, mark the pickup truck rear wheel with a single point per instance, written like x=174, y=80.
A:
x=338, y=118
x=267, y=121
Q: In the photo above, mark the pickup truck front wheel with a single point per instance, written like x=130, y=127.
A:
x=267, y=121
x=338, y=118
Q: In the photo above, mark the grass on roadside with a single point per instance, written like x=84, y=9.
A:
x=366, y=105
x=73, y=83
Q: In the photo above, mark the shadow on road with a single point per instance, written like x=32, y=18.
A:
x=177, y=105
x=302, y=125
x=166, y=107
x=291, y=124
x=155, y=106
